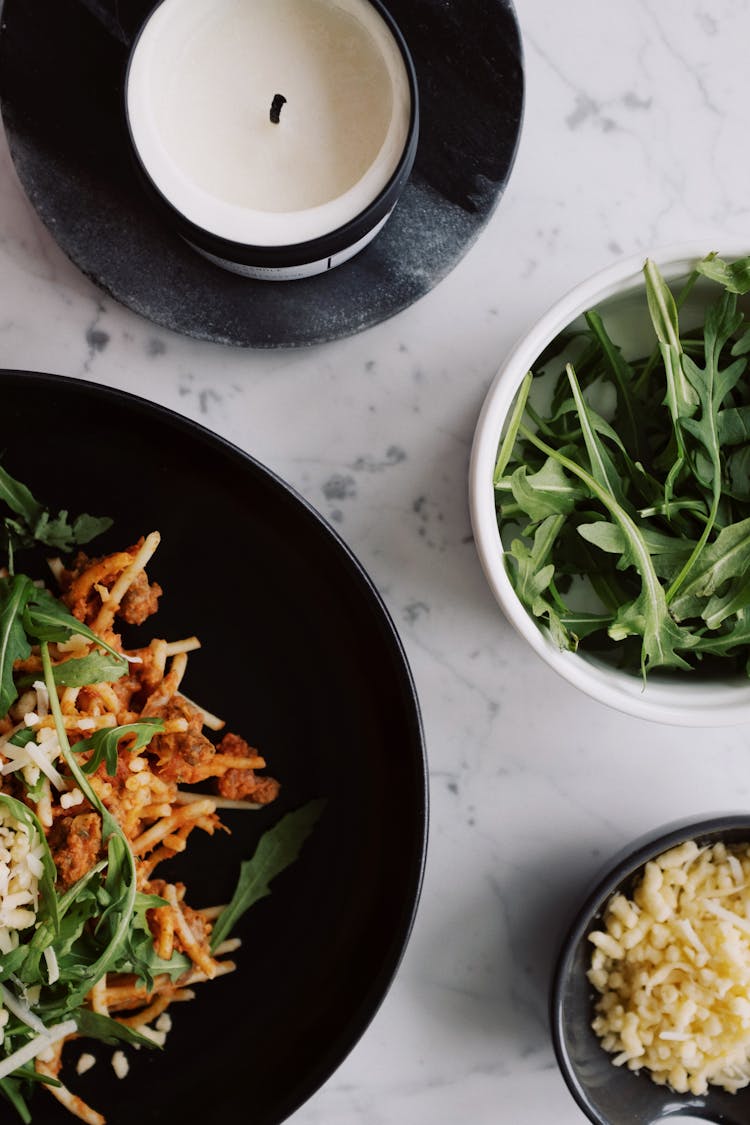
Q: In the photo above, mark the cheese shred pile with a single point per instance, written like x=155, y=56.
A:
x=20, y=869
x=672, y=967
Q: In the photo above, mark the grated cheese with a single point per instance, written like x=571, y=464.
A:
x=672, y=967
x=40, y=1047
x=85, y=1062
x=35, y=758
x=20, y=1008
x=76, y=644
x=53, y=969
x=42, y=698
x=20, y=869
x=120, y=1064
x=185, y=797
x=70, y=799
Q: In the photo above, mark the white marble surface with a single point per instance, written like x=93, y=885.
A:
x=635, y=135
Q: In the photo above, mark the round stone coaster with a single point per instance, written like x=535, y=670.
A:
x=62, y=64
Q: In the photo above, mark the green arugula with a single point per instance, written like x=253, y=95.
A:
x=627, y=530
x=100, y=924
x=532, y=576
x=276, y=850
x=32, y=523
x=94, y=668
x=14, y=642
x=47, y=619
x=30, y=615
x=105, y=743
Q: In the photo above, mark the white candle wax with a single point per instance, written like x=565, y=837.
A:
x=201, y=83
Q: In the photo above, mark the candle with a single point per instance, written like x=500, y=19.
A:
x=276, y=134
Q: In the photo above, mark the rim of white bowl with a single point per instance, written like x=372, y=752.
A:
x=707, y=703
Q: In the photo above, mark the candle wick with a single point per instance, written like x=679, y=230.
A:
x=276, y=104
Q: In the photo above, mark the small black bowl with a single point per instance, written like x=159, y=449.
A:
x=607, y=1094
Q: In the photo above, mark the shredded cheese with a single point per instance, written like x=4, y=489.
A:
x=120, y=1064
x=37, y=1047
x=35, y=758
x=672, y=967
x=85, y=1062
x=72, y=798
x=19, y=1008
x=20, y=869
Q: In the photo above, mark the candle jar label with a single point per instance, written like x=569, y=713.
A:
x=294, y=273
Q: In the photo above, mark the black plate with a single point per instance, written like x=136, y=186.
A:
x=301, y=657
x=61, y=98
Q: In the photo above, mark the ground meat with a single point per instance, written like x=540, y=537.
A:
x=197, y=923
x=184, y=756
x=140, y=601
x=79, y=582
x=79, y=586
x=75, y=843
x=238, y=784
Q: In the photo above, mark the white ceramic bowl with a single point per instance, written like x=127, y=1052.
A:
x=686, y=700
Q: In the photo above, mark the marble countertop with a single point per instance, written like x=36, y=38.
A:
x=634, y=137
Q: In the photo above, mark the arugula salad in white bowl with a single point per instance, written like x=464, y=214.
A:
x=610, y=487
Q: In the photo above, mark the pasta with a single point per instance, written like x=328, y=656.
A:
x=158, y=748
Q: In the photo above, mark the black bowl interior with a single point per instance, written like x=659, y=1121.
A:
x=299, y=656
x=607, y=1094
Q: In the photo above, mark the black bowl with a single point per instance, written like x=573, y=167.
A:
x=607, y=1094
x=299, y=656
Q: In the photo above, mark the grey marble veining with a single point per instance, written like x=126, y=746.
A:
x=634, y=137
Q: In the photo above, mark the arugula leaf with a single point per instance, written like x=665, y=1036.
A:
x=19, y=499
x=10, y=1088
x=667, y=552
x=734, y=426
x=712, y=384
x=93, y=1025
x=622, y=373
x=35, y=524
x=732, y=601
x=603, y=469
x=650, y=505
x=276, y=850
x=532, y=576
x=120, y=884
x=139, y=955
x=94, y=668
x=737, y=635
x=509, y=438
x=14, y=645
x=106, y=742
x=647, y=615
x=582, y=625
x=47, y=619
x=545, y=493
x=727, y=557
x=680, y=398
x=734, y=276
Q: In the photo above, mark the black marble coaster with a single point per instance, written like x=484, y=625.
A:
x=61, y=76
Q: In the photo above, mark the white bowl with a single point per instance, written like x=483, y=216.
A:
x=687, y=700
